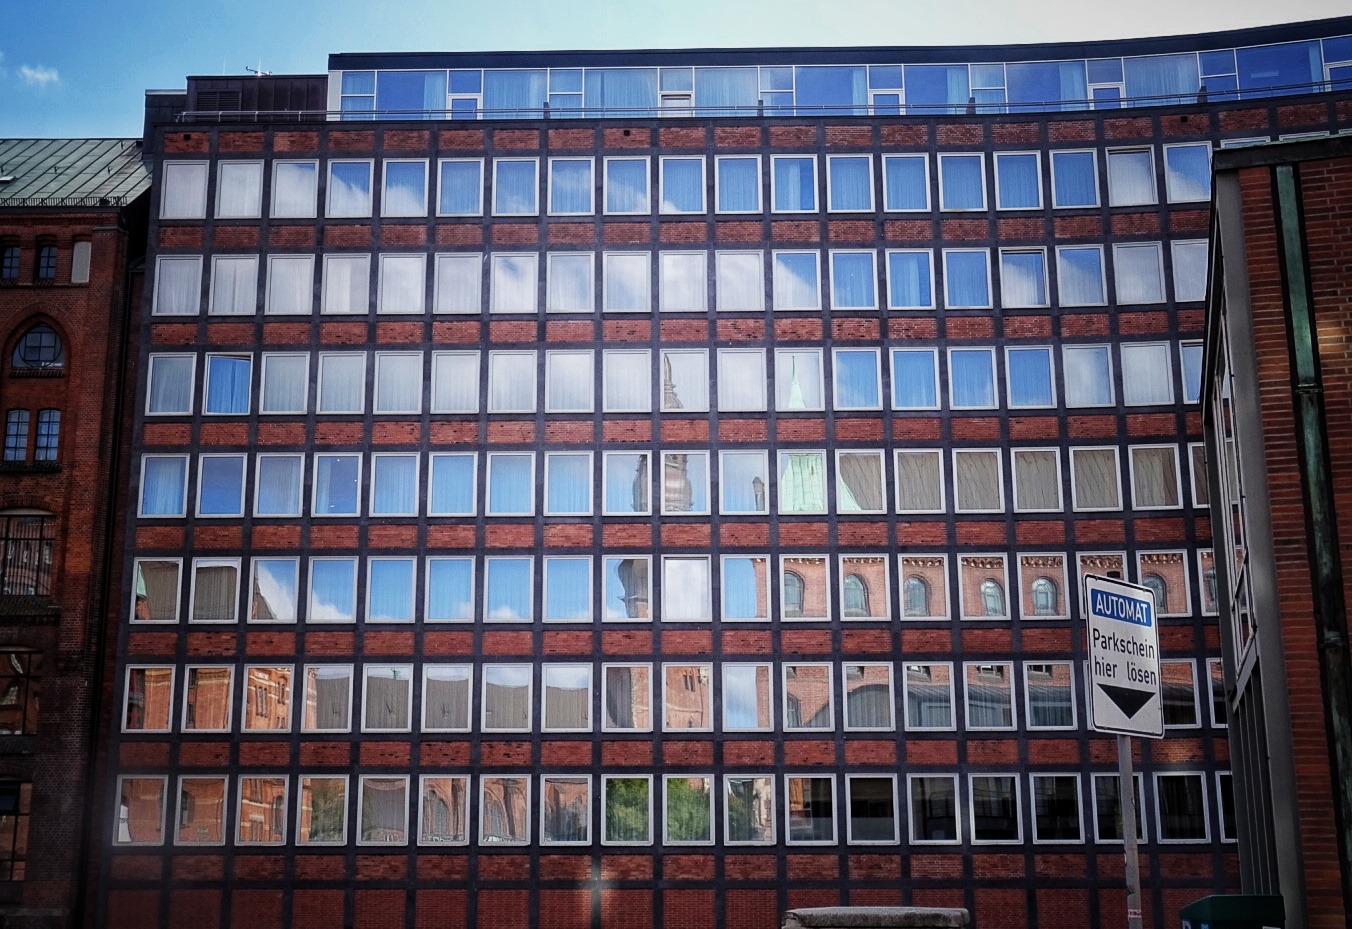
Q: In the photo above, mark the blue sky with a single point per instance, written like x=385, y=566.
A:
x=81, y=68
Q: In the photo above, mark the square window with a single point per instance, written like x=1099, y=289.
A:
x=516, y=186
x=569, y=382
x=402, y=284
x=849, y=183
x=962, y=182
x=682, y=184
x=914, y=379
x=349, y=189
x=793, y=183
x=450, y=590
x=342, y=382
x=868, y=696
x=1049, y=689
x=508, y=590
x=337, y=487
x=1074, y=179
x=1079, y=274
x=967, y=278
x=626, y=810
x=333, y=590
x=347, y=284
x=164, y=485
x=906, y=183
x=924, y=589
x=685, y=380
x=683, y=281
x=399, y=382
x=1095, y=481
x=511, y=382
x=214, y=596
x=506, y=698
x=1029, y=378
x=460, y=188
x=627, y=697
x=571, y=187
x=405, y=190
x=149, y=699
x=239, y=189
x=1187, y=172
x=570, y=288
x=566, y=706
x=854, y=280
x=220, y=485
x=748, y=810
x=178, y=286
x=929, y=697
x=740, y=281
x=920, y=481
x=747, y=694
x=859, y=482
x=387, y=698
x=446, y=697
x=984, y=580
x=1201, y=488
x=741, y=380
x=170, y=388
x=1042, y=583
x=1189, y=262
x=628, y=483
x=394, y=485
x=687, y=701
x=802, y=482
x=156, y=585
x=1056, y=808
x=183, y=190
x=809, y=700
x=689, y=815
x=322, y=815
x=568, y=484
x=857, y=380
x=1147, y=376
x=978, y=485
x=277, y=485
x=873, y=809
x=455, y=382
x=934, y=808
x=1180, y=807
x=686, y=589
x=797, y=281
x=1018, y=181
x=291, y=285
x=627, y=376
x=626, y=282
x=798, y=380
x=1139, y=272
x=743, y=482
x=1131, y=177
x=382, y=810
x=804, y=586
x=627, y=186
x=1154, y=477
x=295, y=186
x=234, y=285
x=1037, y=480
x=745, y=588
x=567, y=589
x=995, y=808
x=1108, y=808
x=809, y=807
x=565, y=809
x=273, y=590
x=443, y=810
x=514, y=283
x=910, y=280
x=627, y=589
x=971, y=378
x=511, y=484
x=458, y=283
x=1088, y=375
x=328, y=698
x=737, y=183
x=504, y=803
x=261, y=815
x=1023, y=278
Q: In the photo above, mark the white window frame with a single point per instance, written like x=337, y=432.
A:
x=164, y=806
x=905, y=697
x=251, y=297
x=591, y=185
x=1014, y=483
x=378, y=406
x=423, y=725
x=606, y=259
x=385, y=187
x=258, y=476
x=422, y=813
x=535, y=199
x=210, y=562
x=1076, y=505
x=873, y=267
x=985, y=194
x=384, y=300
x=830, y=205
x=653, y=707
x=1018, y=813
x=648, y=194
x=718, y=183
x=605, y=474
x=662, y=185
x=849, y=819
x=550, y=260
x=365, y=690
x=480, y=163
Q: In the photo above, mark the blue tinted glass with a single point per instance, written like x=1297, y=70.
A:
x=514, y=188
x=830, y=90
x=942, y=86
x=908, y=281
x=1030, y=377
x=394, y=484
x=567, y=588
x=405, y=189
x=738, y=185
x=628, y=91
x=738, y=477
x=1339, y=49
x=989, y=101
x=352, y=179
x=988, y=76
x=960, y=183
x=568, y=106
x=509, y=484
x=886, y=104
x=464, y=109
x=795, y=184
x=884, y=77
x=333, y=589
x=279, y=482
x=1047, y=82
x=507, y=588
x=461, y=189
x=853, y=284
x=857, y=384
x=222, y=486
x=627, y=186
x=1017, y=184
x=1079, y=274
x=905, y=183
x=682, y=185
x=450, y=589
x=570, y=186
x=851, y=182
x=677, y=80
x=966, y=279
x=776, y=78
x=1292, y=67
x=565, y=80
x=1107, y=98
x=742, y=589
x=1213, y=63
x=1187, y=172
x=733, y=89
x=336, y=485
x=1217, y=87
x=1340, y=77
x=777, y=102
x=466, y=82
x=568, y=484
x=1087, y=376
x=391, y=590
x=972, y=376
x=451, y=487
x=358, y=105
x=359, y=82
x=1192, y=372
x=1073, y=182
x=162, y=486
x=413, y=92
x=514, y=93
x=1105, y=70
x=227, y=384
x=913, y=381
x=1162, y=78
x=1023, y=278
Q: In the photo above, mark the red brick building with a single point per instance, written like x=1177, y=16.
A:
x=1279, y=384
x=72, y=220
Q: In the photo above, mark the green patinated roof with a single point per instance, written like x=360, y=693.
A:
x=71, y=172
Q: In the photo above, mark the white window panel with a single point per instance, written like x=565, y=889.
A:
x=570, y=288
x=459, y=282
x=514, y=283
x=291, y=285
x=347, y=284
x=740, y=281
x=402, y=284
x=569, y=382
x=239, y=189
x=683, y=281
x=626, y=282
x=183, y=190
x=234, y=285
x=295, y=185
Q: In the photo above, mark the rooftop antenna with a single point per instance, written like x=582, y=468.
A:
x=258, y=71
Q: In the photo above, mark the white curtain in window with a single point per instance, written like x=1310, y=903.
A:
x=798, y=380
x=347, y=283
x=285, y=381
x=342, y=383
x=570, y=283
x=458, y=282
x=162, y=485
x=170, y=384
x=515, y=93
x=1146, y=374
x=569, y=483
x=906, y=182
x=626, y=91
x=1189, y=260
x=1131, y=178
x=446, y=697
x=853, y=280
x=859, y=482
x=349, y=189
x=387, y=691
x=569, y=382
x=514, y=283
x=741, y=380
x=1023, y=279
x=1096, y=484
x=234, y=285
x=455, y=382
x=1080, y=276
x=1017, y=180
x=399, y=382
x=869, y=706
x=178, y=286
x=919, y=482
x=682, y=185
x=726, y=91
x=1154, y=474
x=976, y=479
x=328, y=697
x=511, y=382
x=795, y=184
x=514, y=186
x=184, y=190
x=290, y=284
x=405, y=192
x=450, y=586
x=684, y=281
x=239, y=189
x=506, y=697
x=1036, y=481
x=686, y=590
x=567, y=703
x=384, y=810
x=1168, y=78
x=156, y=590
x=851, y=182
x=967, y=278
x=394, y=485
x=570, y=186
x=568, y=584
x=279, y=480
x=961, y=183
x=390, y=583
x=628, y=381
x=741, y=282
x=685, y=381
x=293, y=189
x=336, y=489
x=1088, y=375
x=856, y=379
x=909, y=280
x=1138, y=274
x=402, y=283
x=215, y=589
x=628, y=282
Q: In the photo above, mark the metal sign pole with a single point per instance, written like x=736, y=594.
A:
x=1126, y=792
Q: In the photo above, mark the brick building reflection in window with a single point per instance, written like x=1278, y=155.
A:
x=25, y=553
x=15, y=803
x=20, y=686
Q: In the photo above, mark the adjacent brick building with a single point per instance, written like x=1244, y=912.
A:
x=72, y=221
x=1278, y=372
x=652, y=488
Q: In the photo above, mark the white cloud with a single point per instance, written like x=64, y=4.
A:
x=39, y=76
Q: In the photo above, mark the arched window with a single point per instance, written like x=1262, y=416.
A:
x=1044, y=597
x=1156, y=584
x=856, y=596
x=40, y=347
x=20, y=688
x=992, y=598
x=793, y=594
x=26, y=552
x=917, y=595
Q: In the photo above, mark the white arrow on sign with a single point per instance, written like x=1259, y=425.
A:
x=1124, y=658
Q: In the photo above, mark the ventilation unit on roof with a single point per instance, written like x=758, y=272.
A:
x=217, y=100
